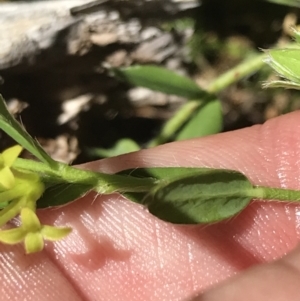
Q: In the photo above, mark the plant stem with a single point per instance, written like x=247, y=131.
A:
x=102, y=183
x=175, y=123
x=279, y=194
x=237, y=73
x=184, y=113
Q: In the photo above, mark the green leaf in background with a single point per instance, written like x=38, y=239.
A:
x=294, y=3
x=286, y=62
x=62, y=194
x=123, y=146
x=207, y=120
x=206, y=197
x=160, y=79
x=12, y=128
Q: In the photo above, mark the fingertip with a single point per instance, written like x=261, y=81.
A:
x=276, y=281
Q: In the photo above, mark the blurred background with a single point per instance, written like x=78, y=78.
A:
x=57, y=58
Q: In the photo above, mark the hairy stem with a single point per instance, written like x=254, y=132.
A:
x=175, y=123
x=184, y=113
x=237, y=73
x=102, y=183
x=279, y=194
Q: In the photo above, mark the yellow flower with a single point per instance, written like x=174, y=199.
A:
x=19, y=192
x=32, y=232
x=7, y=158
x=27, y=190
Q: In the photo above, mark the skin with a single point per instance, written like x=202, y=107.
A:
x=118, y=251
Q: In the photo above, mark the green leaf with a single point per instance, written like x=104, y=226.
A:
x=206, y=197
x=12, y=128
x=294, y=3
x=3, y=205
x=160, y=79
x=61, y=194
x=164, y=174
x=296, y=33
x=207, y=120
x=286, y=62
x=123, y=146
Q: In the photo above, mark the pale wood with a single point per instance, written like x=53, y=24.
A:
x=29, y=28
x=50, y=56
